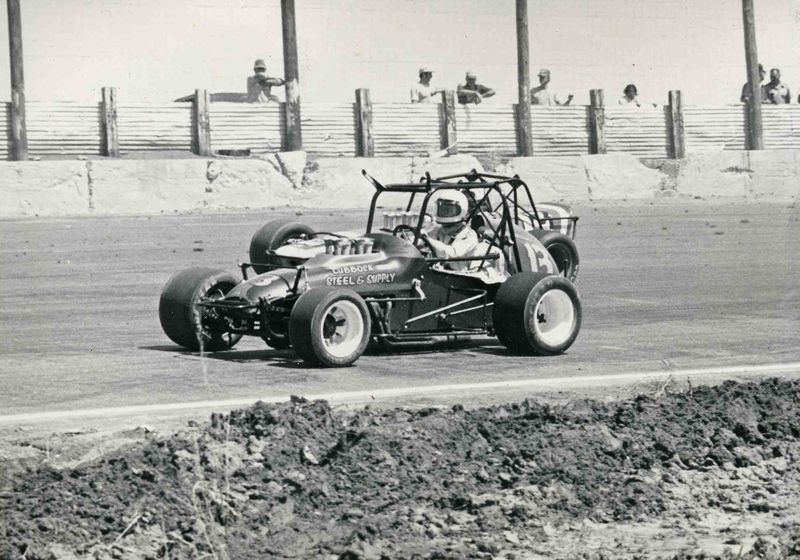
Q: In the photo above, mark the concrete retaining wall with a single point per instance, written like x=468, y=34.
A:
x=768, y=174
x=108, y=186
x=53, y=188
x=763, y=174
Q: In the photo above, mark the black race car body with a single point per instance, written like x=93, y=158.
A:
x=328, y=295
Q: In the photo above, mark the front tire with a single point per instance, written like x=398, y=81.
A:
x=272, y=235
x=536, y=313
x=330, y=327
x=187, y=324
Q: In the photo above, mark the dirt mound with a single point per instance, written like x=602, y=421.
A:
x=300, y=480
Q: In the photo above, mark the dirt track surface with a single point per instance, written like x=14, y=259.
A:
x=701, y=473
x=665, y=286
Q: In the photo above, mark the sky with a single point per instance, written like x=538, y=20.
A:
x=158, y=50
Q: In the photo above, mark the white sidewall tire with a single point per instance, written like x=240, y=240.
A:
x=521, y=299
x=330, y=327
x=552, y=315
x=340, y=328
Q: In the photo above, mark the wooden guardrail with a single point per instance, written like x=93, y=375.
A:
x=112, y=127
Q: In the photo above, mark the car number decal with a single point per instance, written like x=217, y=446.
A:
x=542, y=262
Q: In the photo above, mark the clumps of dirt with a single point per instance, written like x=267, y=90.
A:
x=582, y=480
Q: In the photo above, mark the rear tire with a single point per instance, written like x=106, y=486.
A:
x=272, y=235
x=185, y=323
x=330, y=327
x=563, y=251
x=536, y=313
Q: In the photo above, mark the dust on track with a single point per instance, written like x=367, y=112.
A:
x=700, y=472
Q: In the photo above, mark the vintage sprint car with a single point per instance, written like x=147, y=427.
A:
x=328, y=295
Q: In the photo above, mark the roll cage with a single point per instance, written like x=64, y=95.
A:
x=478, y=187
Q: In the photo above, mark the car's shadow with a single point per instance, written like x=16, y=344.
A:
x=278, y=358
x=288, y=359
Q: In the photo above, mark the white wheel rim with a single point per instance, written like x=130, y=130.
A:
x=554, y=317
x=341, y=328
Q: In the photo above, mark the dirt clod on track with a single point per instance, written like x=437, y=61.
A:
x=699, y=473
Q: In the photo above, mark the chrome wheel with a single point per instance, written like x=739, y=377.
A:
x=341, y=328
x=554, y=317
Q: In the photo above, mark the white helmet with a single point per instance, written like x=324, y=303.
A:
x=451, y=207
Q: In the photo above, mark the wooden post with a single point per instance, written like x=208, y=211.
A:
x=365, y=143
x=19, y=132
x=294, y=134
x=597, y=121
x=676, y=134
x=755, y=126
x=449, y=136
x=109, y=133
x=201, y=129
x=523, y=114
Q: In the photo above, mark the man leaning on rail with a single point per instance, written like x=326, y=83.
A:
x=259, y=85
x=472, y=91
x=542, y=95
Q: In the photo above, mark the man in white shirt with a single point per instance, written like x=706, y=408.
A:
x=541, y=94
x=776, y=91
x=423, y=91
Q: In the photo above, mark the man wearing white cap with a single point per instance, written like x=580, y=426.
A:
x=472, y=91
x=259, y=85
x=423, y=91
x=541, y=95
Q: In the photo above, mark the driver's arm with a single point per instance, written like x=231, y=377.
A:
x=463, y=245
x=443, y=250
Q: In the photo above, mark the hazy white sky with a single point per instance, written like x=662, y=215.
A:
x=163, y=49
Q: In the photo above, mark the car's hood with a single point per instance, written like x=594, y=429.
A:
x=390, y=269
x=270, y=285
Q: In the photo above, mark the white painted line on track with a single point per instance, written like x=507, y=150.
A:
x=355, y=397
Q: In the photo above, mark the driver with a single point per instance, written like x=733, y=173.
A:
x=453, y=237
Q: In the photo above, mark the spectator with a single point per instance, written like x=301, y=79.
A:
x=776, y=91
x=423, y=91
x=541, y=95
x=259, y=85
x=472, y=91
x=746, y=87
x=630, y=96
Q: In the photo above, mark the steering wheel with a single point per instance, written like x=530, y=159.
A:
x=423, y=243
